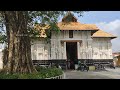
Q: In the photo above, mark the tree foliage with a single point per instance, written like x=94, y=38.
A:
x=37, y=17
x=15, y=23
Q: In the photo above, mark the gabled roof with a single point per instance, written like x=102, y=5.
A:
x=41, y=29
x=101, y=33
x=69, y=22
x=76, y=26
x=72, y=24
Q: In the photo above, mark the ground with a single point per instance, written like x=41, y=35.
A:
x=106, y=74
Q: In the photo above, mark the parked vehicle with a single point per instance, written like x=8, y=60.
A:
x=83, y=67
x=112, y=65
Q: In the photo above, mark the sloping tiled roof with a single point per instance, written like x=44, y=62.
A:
x=101, y=33
x=41, y=29
x=72, y=24
x=69, y=22
x=76, y=26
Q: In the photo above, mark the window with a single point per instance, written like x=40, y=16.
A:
x=70, y=34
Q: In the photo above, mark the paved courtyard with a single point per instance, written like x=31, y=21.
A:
x=106, y=74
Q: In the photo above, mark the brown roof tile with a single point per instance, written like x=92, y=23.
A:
x=41, y=29
x=101, y=33
x=69, y=22
x=76, y=26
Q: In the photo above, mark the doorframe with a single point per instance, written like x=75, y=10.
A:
x=76, y=50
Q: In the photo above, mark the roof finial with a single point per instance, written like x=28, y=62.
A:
x=68, y=12
x=69, y=17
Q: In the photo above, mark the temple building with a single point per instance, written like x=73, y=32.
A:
x=74, y=42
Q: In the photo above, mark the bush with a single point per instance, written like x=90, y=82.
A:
x=41, y=74
x=8, y=76
x=48, y=72
x=39, y=68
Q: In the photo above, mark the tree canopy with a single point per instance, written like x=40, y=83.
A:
x=36, y=17
x=16, y=28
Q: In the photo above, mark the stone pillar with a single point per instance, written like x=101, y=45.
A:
x=78, y=49
x=65, y=50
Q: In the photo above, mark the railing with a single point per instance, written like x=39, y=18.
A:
x=58, y=77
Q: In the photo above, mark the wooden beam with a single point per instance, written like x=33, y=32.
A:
x=71, y=40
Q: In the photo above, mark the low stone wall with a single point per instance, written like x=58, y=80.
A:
x=58, y=77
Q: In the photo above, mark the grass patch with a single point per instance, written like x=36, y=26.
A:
x=41, y=74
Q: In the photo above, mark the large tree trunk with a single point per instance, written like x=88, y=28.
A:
x=5, y=57
x=5, y=51
x=19, y=47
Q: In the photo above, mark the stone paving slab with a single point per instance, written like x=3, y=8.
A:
x=106, y=74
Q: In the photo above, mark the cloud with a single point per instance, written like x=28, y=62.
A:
x=112, y=27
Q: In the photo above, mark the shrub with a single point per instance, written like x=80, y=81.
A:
x=41, y=74
x=8, y=76
x=39, y=68
x=49, y=72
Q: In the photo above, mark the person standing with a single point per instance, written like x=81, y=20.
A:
x=68, y=64
x=79, y=64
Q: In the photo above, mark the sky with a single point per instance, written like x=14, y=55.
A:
x=108, y=21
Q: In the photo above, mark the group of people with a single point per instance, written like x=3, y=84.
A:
x=82, y=66
x=70, y=65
